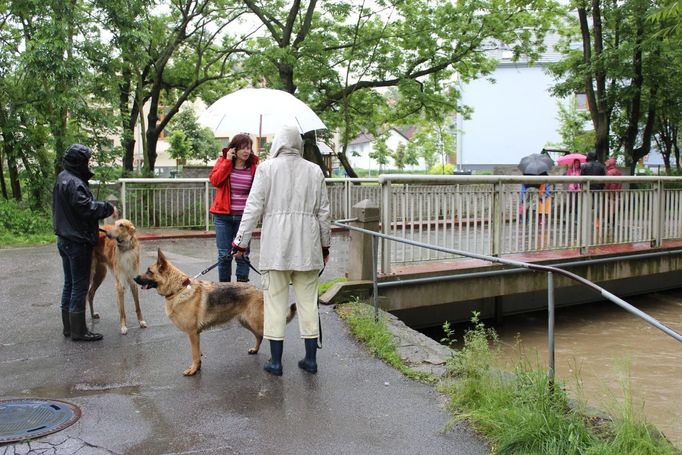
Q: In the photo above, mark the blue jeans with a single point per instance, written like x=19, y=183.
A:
x=226, y=227
x=76, y=259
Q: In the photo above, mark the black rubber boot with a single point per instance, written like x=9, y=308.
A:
x=309, y=363
x=66, y=323
x=274, y=365
x=79, y=330
x=242, y=279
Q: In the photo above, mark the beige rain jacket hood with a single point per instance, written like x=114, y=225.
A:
x=290, y=196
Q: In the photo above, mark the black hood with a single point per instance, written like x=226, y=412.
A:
x=592, y=156
x=76, y=160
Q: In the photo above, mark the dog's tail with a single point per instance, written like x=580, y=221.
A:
x=292, y=312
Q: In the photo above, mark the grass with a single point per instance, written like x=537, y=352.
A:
x=518, y=412
x=377, y=338
x=324, y=287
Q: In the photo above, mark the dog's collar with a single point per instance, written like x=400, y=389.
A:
x=185, y=284
x=124, y=246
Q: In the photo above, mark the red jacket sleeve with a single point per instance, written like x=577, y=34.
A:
x=220, y=172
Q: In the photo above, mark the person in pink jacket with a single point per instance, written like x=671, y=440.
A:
x=232, y=176
x=612, y=171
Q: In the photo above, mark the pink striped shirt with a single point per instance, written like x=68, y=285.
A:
x=240, y=185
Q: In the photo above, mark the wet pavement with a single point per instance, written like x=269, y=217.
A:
x=135, y=400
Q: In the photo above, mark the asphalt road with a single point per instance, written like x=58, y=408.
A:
x=134, y=399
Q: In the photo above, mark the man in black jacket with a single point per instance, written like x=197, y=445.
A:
x=593, y=167
x=75, y=215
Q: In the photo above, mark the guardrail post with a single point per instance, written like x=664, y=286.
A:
x=346, y=192
x=658, y=215
x=585, y=221
x=550, y=327
x=498, y=219
x=207, y=190
x=360, y=255
x=386, y=209
x=113, y=200
x=124, y=202
x=375, y=284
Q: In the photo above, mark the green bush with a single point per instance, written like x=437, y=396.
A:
x=442, y=169
x=20, y=225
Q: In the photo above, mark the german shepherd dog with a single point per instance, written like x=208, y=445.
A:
x=196, y=305
x=119, y=251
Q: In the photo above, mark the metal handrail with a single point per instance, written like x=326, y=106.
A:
x=550, y=270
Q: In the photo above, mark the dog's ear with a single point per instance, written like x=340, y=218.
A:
x=161, y=260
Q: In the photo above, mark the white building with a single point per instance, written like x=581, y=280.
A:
x=512, y=117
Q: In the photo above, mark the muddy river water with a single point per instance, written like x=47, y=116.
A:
x=607, y=347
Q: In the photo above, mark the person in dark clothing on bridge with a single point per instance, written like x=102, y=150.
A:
x=593, y=167
x=75, y=215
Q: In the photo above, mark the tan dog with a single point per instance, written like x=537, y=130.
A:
x=119, y=251
x=195, y=305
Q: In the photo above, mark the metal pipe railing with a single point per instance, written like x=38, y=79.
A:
x=518, y=264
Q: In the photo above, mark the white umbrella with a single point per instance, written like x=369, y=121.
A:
x=259, y=111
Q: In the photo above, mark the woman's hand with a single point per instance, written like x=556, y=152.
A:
x=228, y=154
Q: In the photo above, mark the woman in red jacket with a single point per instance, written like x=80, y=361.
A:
x=232, y=176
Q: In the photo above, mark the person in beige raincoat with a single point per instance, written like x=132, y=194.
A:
x=290, y=196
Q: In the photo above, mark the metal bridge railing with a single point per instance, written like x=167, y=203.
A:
x=184, y=203
x=550, y=270
x=482, y=214
x=491, y=215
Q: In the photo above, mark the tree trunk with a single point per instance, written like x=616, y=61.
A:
x=635, y=101
x=152, y=141
x=152, y=133
x=676, y=149
x=14, y=183
x=128, y=136
x=350, y=172
x=311, y=152
x=59, y=134
x=3, y=185
x=597, y=78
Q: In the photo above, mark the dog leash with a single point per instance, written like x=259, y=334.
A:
x=246, y=259
x=206, y=270
x=211, y=267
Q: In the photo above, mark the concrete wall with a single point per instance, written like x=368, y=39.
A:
x=431, y=304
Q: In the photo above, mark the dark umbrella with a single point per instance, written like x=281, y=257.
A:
x=535, y=164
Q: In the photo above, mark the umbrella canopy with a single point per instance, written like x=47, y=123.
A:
x=567, y=160
x=260, y=111
x=535, y=164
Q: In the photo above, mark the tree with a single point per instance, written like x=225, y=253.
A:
x=166, y=58
x=572, y=128
x=423, y=145
x=399, y=157
x=50, y=95
x=334, y=55
x=188, y=140
x=620, y=69
x=380, y=152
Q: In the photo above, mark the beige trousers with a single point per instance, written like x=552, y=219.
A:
x=276, y=296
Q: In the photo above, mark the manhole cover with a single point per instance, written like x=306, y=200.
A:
x=23, y=419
